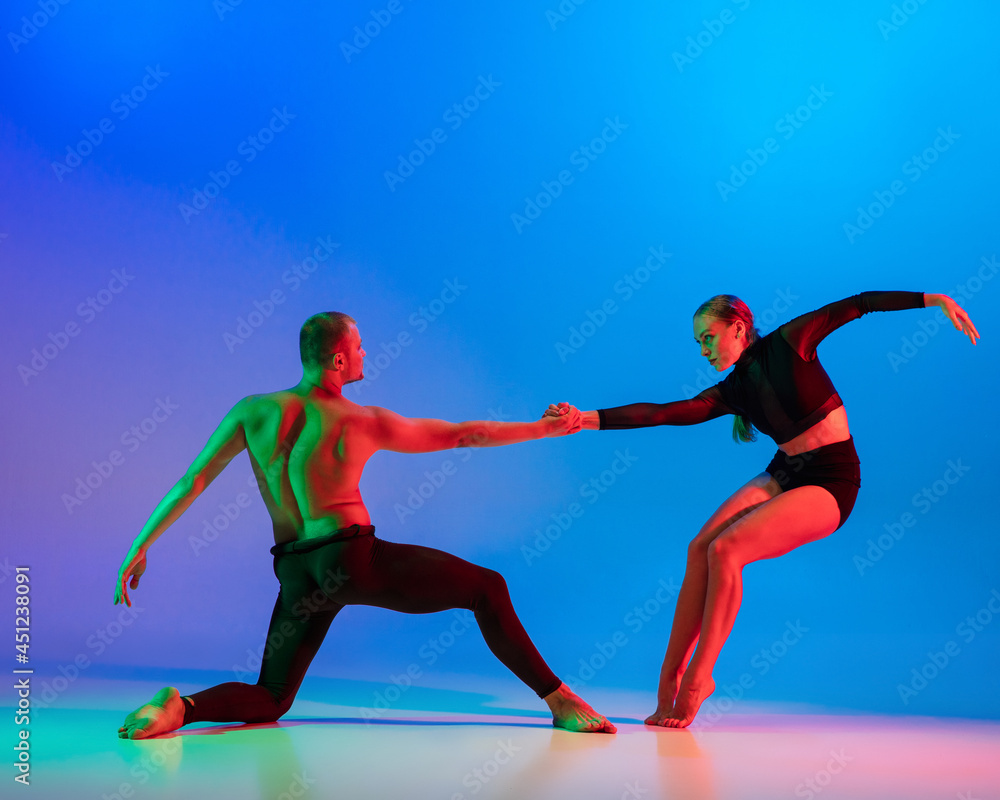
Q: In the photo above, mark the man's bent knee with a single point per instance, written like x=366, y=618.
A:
x=492, y=587
x=495, y=582
x=281, y=701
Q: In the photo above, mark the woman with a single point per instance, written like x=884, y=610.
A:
x=804, y=494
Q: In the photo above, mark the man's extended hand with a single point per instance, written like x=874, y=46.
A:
x=562, y=419
x=132, y=567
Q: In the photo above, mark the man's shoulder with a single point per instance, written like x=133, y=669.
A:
x=252, y=402
x=285, y=400
x=265, y=397
x=376, y=412
x=257, y=406
x=279, y=397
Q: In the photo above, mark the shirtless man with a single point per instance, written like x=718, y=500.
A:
x=308, y=446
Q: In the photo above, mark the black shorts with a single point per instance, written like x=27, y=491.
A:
x=836, y=467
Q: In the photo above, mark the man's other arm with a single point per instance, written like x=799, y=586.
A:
x=223, y=445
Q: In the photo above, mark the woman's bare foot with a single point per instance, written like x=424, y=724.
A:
x=689, y=698
x=571, y=713
x=162, y=714
x=665, y=694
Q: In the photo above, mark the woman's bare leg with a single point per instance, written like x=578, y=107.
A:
x=691, y=598
x=790, y=520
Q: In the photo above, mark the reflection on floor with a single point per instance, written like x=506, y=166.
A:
x=500, y=745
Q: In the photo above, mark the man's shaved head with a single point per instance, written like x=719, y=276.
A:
x=321, y=335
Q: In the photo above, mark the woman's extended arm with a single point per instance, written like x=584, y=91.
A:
x=704, y=406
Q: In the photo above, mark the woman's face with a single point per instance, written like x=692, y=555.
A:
x=721, y=343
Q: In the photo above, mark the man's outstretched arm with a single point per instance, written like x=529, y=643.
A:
x=223, y=445
x=406, y=435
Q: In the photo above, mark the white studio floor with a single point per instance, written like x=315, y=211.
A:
x=505, y=747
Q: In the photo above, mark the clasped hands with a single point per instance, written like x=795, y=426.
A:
x=563, y=419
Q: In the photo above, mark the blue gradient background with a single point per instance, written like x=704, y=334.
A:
x=494, y=349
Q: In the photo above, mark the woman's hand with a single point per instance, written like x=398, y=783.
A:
x=955, y=313
x=132, y=567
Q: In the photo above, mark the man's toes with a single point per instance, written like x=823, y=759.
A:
x=599, y=724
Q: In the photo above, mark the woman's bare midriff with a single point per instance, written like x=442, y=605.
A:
x=832, y=428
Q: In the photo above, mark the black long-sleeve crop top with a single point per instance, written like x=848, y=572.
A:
x=777, y=382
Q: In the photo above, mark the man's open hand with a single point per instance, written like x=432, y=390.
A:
x=132, y=567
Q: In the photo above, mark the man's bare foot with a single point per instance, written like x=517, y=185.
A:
x=686, y=704
x=665, y=695
x=573, y=714
x=162, y=714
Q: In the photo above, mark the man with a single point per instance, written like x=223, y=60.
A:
x=308, y=446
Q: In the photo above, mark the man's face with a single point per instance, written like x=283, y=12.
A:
x=353, y=356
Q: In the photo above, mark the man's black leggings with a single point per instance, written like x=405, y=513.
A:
x=352, y=566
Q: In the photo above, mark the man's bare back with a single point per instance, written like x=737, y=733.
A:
x=308, y=453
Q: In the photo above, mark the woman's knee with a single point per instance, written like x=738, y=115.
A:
x=698, y=547
x=706, y=544
x=702, y=543
x=723, y=553
x=747, y=499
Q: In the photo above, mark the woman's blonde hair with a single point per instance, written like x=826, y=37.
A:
x=729, y=308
